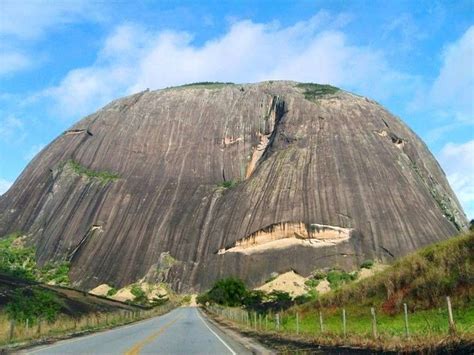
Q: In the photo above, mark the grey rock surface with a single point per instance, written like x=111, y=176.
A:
x=160, y=182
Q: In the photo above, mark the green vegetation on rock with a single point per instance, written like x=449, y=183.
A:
x=19, y=260
x=206, y=84
x=314, y=91
x=228, y=184
x=140, y=295
x=102, y=176
x=112, y=292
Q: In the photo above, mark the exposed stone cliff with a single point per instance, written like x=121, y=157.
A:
x=198, y=182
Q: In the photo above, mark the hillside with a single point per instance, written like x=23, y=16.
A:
x=191, y=184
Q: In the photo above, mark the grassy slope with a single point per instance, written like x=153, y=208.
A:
x=422, y=280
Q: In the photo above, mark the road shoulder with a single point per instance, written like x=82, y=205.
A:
x=249, y=344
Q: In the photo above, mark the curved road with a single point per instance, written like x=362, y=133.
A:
x=182, y=331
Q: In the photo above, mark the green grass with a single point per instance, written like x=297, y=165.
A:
x=102, y=176
x=359, y=321
x=422, y=279
x=229, y=184
x=314, y=91
x=206, y=85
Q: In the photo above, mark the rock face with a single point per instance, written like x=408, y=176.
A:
x=190, y=184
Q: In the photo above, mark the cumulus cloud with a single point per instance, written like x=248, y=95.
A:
x=318, y=50
x=4, y=185
x=23, y=23
x=453, y=89
x=31, y=19
x=456, y=160
x=11, y=62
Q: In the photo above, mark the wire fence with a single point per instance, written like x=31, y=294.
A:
x=340, y=322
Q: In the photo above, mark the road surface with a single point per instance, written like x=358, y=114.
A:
x=182, y=331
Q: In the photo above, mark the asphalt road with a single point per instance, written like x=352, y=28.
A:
x=182, y=331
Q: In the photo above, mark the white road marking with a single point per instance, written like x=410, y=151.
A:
x=217, y=336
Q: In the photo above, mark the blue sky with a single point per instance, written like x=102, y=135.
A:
x=61, y=60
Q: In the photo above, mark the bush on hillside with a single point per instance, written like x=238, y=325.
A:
x=33, y=305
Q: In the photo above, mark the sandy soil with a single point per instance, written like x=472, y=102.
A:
x=289, y=282
x=100, y=290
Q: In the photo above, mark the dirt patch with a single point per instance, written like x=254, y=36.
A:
x=289, y=282
x=100, y=290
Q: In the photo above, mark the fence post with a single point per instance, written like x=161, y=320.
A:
x=277, y=324
x=266, y=322
x=12, y=330
x=374, y=322
x=452, y=328
x=321, y=325
x=255, y=320
x=344, y=322
x=297, y=323
x=260, y=321
x=39, y=327
x=405, y=310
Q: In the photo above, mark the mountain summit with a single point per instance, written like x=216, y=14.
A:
x=193, y=183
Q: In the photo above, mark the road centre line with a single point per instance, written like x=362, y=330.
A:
x=135, y=350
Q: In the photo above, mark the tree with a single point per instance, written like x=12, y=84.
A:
x=229, y=292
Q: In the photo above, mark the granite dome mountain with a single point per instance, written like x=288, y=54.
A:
x=194, y=183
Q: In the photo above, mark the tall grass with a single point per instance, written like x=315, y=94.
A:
x=65, y=325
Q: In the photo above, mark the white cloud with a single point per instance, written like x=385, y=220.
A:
x=133, y=59
x=453, y=89
x=11, y=62
x=11, y=128
x=24, y=22
x=456, y=160
x=4, y=185
x=31, y=19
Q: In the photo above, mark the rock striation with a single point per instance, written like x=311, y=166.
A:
x=190, y=184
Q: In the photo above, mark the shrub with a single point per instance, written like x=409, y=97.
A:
x=229, y=292
x=254, y=299
x=140, y=295
x=228, y=184
x=314, y=91
x=33, y=304
x=312, y=283
x=337, y=278
x=367, y=264
x=112, y=292
x=279, y=300
x=19, y=260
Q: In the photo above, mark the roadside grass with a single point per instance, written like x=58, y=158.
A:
x=359, y=321
x=428, y=329
x=65, y=326
x=421, y=280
